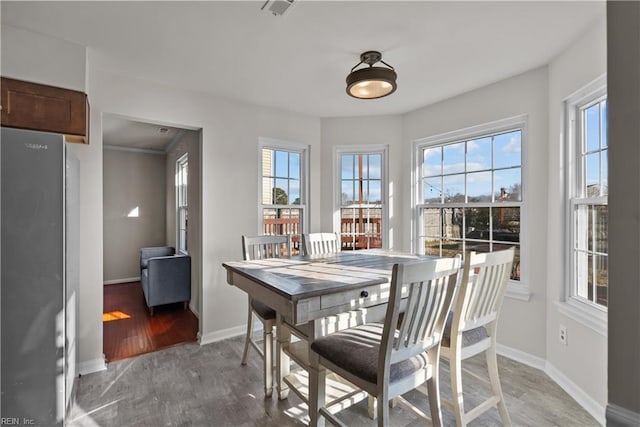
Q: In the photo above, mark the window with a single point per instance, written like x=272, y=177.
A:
x=361, y=200
x=282, y=196
x=182, y=205
x=469, y=191
x=588, y=189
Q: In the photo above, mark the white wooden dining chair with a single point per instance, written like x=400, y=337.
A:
x=390, y=359
x=261, y=247
x=321, y=243
x=471, y=329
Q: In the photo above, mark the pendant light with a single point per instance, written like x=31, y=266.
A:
x=371, y=82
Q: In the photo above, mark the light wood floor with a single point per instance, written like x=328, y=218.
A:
x=193, y=385
x=129, y=330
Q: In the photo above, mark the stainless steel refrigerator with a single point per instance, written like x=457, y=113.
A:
x=39, y=280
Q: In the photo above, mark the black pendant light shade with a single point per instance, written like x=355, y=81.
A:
x=371, y=82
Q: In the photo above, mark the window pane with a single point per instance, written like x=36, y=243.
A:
x=361, y=228
x=592, y=175
x=604, y=165
x=592, y=128
x=347, y=166
x=281, y=164
x=267, y=192
x=432, y=247
x=601, y=270
x=453, y=158
x=479, y=154
x=451, y=248
x=506, y=224
x=603, y=110
x=431, y=222
x=515, y=267
x=477, y=223
x=280, y=192
x=506, y=149
x=432, y=190
x=581, y=218
x=375, y=192
x=507, y=185
x=348, y=196
x=453, y=188
x=452, y=223
x=375, y=166
x=432, y=161
x=479, y=187
x=294, y=165
x=294, y=192
x=599, y=219
x=267, y=162
x=477, y=246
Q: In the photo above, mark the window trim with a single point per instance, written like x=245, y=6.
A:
x=338, y=151
x=519, y=290
x=586, y=312
x=180, y=164
x=303, y=149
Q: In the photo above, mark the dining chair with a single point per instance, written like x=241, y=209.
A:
x=261, y=247
x=321, y=243
x=471, y=329
x=389, y=359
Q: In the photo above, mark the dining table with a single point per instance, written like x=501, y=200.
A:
x=313, y=296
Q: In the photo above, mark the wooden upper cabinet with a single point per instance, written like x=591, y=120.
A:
x=34, y=106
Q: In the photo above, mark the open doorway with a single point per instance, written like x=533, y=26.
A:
x=151, y=198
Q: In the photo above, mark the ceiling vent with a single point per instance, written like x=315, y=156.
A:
x=277, y=7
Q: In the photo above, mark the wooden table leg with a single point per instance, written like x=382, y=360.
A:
x=282, y=359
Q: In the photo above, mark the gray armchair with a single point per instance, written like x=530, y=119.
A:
x=165, y=277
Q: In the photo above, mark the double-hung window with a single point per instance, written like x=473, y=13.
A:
x=361, y=199
x=469, y=191
x=588, y=190
x=182, y=205
x=283, y=191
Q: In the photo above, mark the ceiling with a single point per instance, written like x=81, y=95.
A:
x=299, y=61
x=122, y=132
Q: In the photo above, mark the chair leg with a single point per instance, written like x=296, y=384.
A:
x=492, y=365
x=433, y=387
x=455, y=367
x=383, y=409
x=247, y=341
x=268, y=358
x=186, y=305
x=151, y=311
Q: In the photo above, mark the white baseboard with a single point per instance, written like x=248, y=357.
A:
x=596, y=410
x=193, y=310
x=90, y=366
x=125, y=280
x=223, y=334
x=617, y=416
x=521, y=356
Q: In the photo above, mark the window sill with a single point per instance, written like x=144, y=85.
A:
x=518, y=290
x=590, y=317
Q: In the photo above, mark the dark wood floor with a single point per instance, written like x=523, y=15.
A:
x=129, y=330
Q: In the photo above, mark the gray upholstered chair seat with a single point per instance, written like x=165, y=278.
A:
x=469, y=337
x=263, y=310
x=357, y=350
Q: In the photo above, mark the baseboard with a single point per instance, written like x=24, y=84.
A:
x=90, y=366
x=596, y=410
x=220, y=335
x=521, y=356
x=193, y=310
x=617, y=416
x=125, y=280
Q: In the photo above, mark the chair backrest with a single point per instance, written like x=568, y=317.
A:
x=430, y=285
x=321, y=243
x=482, y=289
x=260, y=247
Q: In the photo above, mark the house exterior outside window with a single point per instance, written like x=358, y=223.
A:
x=587, y=167
x=361, y=196
x=283, y=190
x=182, y=203
x=468, y=191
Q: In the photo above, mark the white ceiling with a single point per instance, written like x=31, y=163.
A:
x=122, y=132
x=299, y=61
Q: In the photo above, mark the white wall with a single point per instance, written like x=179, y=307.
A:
x=522, y=323
x=230, y=132
x=381, y=130
x=189, y=143
x=132, y=180
x=37, y=58
x=584, y=360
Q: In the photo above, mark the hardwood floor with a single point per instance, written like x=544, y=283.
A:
x=129, y=330
x=193, y=385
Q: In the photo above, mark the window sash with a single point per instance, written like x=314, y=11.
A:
x=182, y=205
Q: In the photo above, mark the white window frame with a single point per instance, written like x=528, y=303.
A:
x=182, y=202
x=303, y=150
x=517, y=289
x=381, y=149
x=588, y=313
